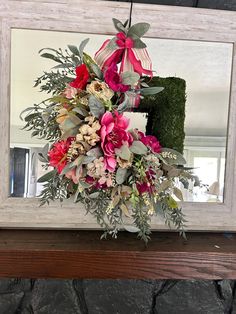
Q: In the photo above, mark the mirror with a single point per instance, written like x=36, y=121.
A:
x=205, y=66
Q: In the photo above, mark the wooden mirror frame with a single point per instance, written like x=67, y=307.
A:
x=95, y=17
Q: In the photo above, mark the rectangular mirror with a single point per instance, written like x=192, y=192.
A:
x=196, y=45
x=205, y=66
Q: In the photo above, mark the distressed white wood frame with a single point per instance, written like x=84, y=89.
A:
x=95, y=17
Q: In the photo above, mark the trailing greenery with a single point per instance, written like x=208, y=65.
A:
x=166, y=112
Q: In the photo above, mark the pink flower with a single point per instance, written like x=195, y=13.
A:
x=114, y=81
x=71, y=174
x=150, y=141
x=70, y=92
x=113, y=135
x=58, y=154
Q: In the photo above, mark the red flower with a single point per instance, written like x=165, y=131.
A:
x=58, y=153
x=82, y=77
x=147, y=186
x=150, y=141
x=143, y=187
x=95, y=183
x=113, y=80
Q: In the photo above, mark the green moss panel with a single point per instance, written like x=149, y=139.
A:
x=166, y=112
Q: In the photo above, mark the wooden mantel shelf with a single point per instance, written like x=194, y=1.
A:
x=81, y=254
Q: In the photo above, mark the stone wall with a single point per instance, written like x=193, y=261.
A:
x=117, y=297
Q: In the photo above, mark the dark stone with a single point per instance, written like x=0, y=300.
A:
x=225, y=290
x=190, y=297
x=233, y=307
x=9, y=303
x=54, y=297
x=186, y=3
x=218, y=4
x=210, y=4
x=118, y=296
x=14, y=285
x=12, y=295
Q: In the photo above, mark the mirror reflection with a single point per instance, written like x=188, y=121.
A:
x=205, y=67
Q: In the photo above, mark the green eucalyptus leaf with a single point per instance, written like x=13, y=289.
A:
x=51, y=56
x=124, y=105
x=74, y=50
x=172, y=157
x=30, y=116
x=130, y=78
x=45, y=116
x=80, y=111
x=96, y=107
x=119, y=26
x=76, y=60
x=69, y=132
x=151, y=90
x=47, y=176
x=131, y=228
x=50, y=49
x=123, y=152
x=144, y=84
x=126, y=23
x=121, y=175
x=84, y=184
x=78, y=161
x=45, y=150
x=63, y=66
x=138, y=30
x=35, y=133
x=24, y=111
x=94, y=195
x=67, y=125
x=97, y=71
x=67, y=168
x=96, y=152
x=138, y=43
x=42, y=158
x=138, y=148
x=76, y=196
x=76, y=120
x=88, y=159
x=82, y=46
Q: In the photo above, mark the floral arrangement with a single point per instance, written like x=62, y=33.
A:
x=119, y=174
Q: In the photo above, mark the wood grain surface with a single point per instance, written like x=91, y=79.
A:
x=81, y=254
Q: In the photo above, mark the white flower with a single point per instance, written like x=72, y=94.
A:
x=100, y=90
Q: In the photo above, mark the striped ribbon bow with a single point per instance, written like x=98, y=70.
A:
x=122, y=49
